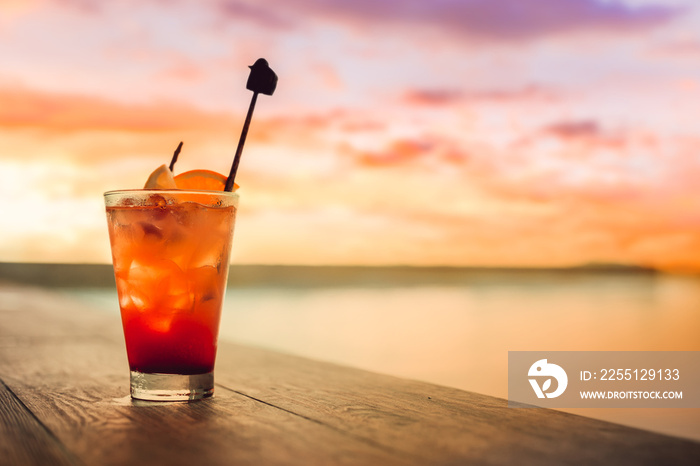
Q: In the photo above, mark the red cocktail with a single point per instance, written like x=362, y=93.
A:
x=170, y=250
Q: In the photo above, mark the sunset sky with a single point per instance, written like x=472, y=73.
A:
x=422, y=132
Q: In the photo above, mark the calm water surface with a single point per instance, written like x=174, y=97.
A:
x=460, y=335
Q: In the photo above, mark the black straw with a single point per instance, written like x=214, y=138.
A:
x=262, y=80
x=174, y=159
x=241, y=141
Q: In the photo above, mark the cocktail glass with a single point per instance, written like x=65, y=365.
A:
x=170, y=250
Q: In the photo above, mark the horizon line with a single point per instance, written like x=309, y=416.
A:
x=585, y=266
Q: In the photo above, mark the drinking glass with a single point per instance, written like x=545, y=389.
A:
x=170, y=250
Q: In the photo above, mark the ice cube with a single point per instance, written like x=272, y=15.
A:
x=206, y=282
x=130, y=297
x=156, y=200
x=154, y=283
x=179, y=293
x=150, y=231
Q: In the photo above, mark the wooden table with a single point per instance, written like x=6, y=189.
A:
x=64, y=400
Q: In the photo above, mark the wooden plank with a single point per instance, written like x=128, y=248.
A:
x=85, y=406
x=23, y=439
x=78, y=388
x=272, y=408
x=439, y=425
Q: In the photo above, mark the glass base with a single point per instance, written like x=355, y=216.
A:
x=171, y=387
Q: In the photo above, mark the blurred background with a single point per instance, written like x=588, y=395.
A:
x=539, y=135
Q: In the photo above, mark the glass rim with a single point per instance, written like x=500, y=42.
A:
x=171, y=191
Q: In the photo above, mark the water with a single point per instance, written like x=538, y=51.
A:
x=460, y=336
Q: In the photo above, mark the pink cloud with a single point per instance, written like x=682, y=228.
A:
x=574, y=129
x=688, y=48
x=491, y=20
x=432, y=97
x=84, y=6
x=253, y=12
x=589, y=135
x=503, y=20
x=441, y=96
x=183, y=70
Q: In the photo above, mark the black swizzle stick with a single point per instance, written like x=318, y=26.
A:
x=262, y=80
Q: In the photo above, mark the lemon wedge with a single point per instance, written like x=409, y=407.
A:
x=161, y=178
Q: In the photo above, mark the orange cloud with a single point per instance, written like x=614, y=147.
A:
x=400, y=151
x=17, y=7
x=64, y=112
x=182, y=70
x=581, y=199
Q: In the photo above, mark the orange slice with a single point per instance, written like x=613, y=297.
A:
x=202, y=179
x=161, y=178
